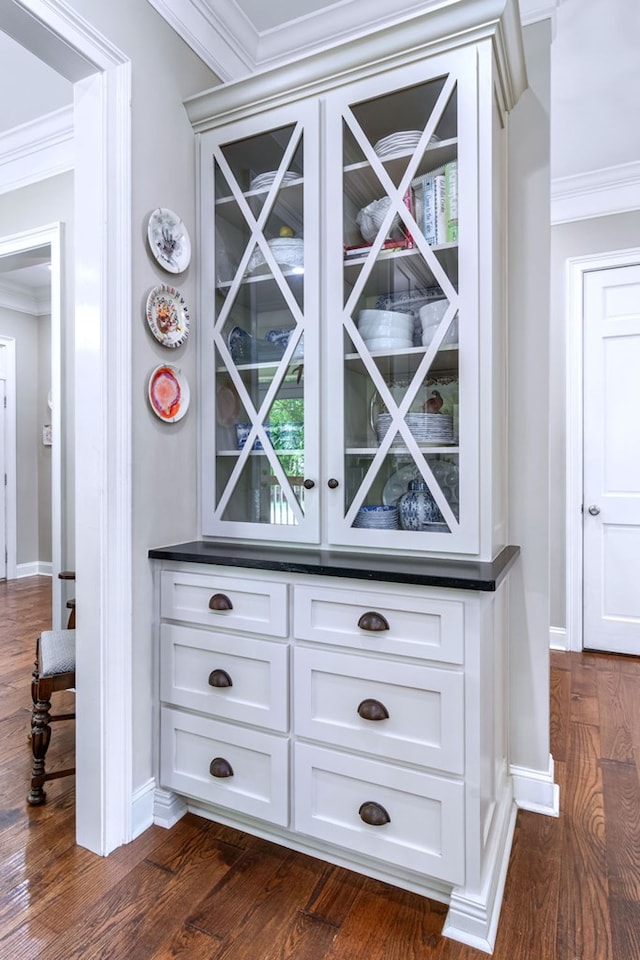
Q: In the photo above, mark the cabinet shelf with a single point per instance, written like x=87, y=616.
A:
x=221, y=201
x=399, y=364
x=401, y=453
x=361, y=182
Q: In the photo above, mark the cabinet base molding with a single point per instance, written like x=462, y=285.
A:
x=168, y=808
x=473, y=916
x=536, y=790
x=142, y=808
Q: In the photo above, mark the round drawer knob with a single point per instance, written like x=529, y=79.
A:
x=220, y=602
x=220, y=768
x=309, y=484
x=374, y=814
x=373, y=710
x=332, y=483
x=220, y=678
x=373, y=621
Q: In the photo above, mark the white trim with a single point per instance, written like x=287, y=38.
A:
x=558, y=639
x=36, y=150
x=10, y=441
x=223, y=39
x=168, y=808
x=576, y=269
x=142, y=802
x=536, y=790
x=102, y=182
x=532, y=11
x=23, y=299
x=37, y=568
x=598, y=193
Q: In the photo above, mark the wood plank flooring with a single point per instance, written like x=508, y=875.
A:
x=202, y=891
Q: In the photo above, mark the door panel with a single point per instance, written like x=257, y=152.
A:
x=612, y=460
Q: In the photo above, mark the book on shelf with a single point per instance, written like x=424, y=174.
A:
x=435, y=197
x=361, y=249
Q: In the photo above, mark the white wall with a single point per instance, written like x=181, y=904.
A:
x=34, y=88
x=596, y=78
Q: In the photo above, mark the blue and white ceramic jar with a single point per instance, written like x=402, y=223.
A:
x=416, y=508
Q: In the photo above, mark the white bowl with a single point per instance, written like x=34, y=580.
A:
x=430, y=317
x=401, y=326
x=389, y=343
x=383, y=315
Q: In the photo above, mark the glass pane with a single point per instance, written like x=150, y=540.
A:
x=401, y=318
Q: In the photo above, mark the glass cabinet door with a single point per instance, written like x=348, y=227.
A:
x=260, y=432
x=406, y=469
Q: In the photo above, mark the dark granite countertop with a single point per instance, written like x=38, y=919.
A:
x=422, y=571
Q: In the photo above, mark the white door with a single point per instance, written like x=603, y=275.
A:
x=3, y=489
x=611, y=512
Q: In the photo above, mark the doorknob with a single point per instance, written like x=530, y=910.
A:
x=594, y=510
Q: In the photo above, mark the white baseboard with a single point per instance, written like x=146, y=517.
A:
x=536, y=790
x=142, y=808
x=37, y=568
x=558, y=638
x=473, y=915
x=168, y=808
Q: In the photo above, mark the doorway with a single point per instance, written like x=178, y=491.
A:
x=603, y=504
x=101, y=75
x=33, y=250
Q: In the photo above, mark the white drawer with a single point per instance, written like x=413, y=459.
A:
x=425, y=831
x=226, y=676
x=259, y=761
x=257, y=606
x=425, y=707
x=418, y=626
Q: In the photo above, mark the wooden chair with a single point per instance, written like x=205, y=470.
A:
x=54, y=670
x=71, y=603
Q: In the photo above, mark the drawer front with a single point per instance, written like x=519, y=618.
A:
x=225, y=676
x=258, y=785
x=256, y=606
x=338, y=699
x=425, y=830
x=418, y=626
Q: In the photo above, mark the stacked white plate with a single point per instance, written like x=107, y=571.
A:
x=288, y=252
x=377, y=517
x=424, y=427
x=264, y=180
x=400, y=142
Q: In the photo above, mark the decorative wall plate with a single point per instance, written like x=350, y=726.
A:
x=167, y=315
x=169, y=240
x=169, y=393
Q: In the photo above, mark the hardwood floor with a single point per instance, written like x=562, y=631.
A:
x=202, y=890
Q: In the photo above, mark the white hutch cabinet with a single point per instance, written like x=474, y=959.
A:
x=333, y=651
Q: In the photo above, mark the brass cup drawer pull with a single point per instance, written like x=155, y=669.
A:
x=373, y=710
x=373, y=621
x=220, y=678
x=374, y=814
x=220, y=768
x=220, y=602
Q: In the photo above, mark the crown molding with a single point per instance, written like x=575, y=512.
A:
x=598, y=193
x=217, y=31
x=452, y=23
x=36, y=150
x=531, y=11
x=15, y=296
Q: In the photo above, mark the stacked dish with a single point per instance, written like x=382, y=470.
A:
x=288, y=252
x=264, y=180
x=242, y=435
x=400, y=142
x=423, y=427
x=377, y=517
x=431, y=315
x=386, y=329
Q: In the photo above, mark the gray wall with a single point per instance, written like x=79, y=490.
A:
x=576, y=239
x=528, y=298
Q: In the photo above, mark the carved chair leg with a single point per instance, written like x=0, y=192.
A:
x=40, y=738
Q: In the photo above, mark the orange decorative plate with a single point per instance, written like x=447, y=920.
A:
x=169, y=393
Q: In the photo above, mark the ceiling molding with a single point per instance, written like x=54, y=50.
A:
x=531, y=11
x=22, y=299
x=36, y=150
x=455, y=23
x=598, y=193
x=217, y=31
